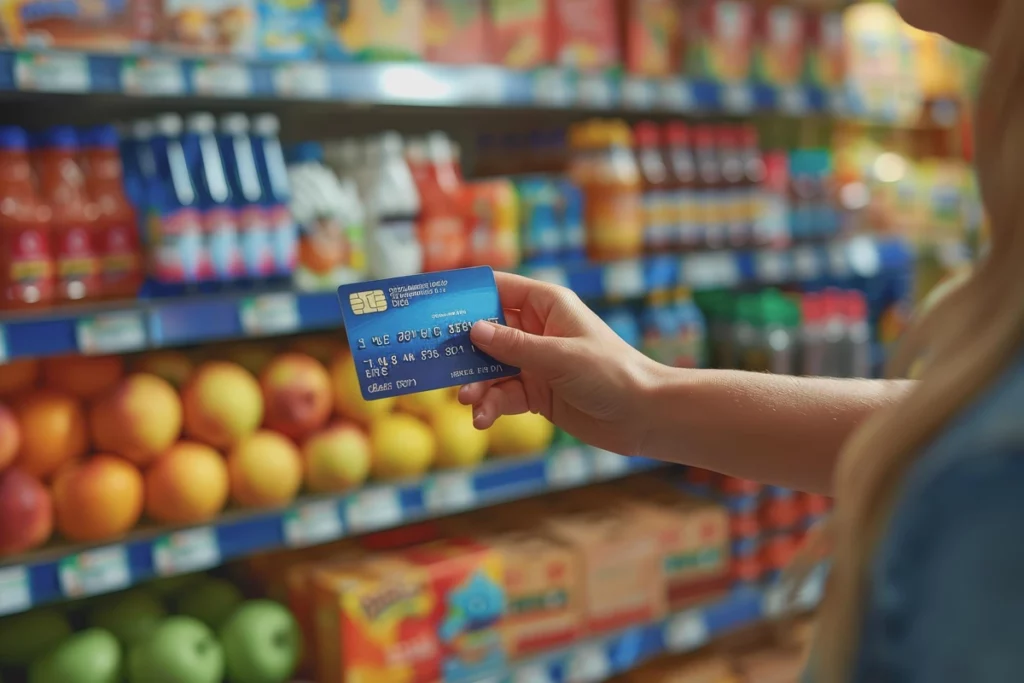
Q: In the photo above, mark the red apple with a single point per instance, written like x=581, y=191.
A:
x=26, y=512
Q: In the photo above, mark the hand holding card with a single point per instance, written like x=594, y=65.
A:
x=411, y=334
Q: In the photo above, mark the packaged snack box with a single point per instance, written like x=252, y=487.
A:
x=456, y=31
x=825, y=50
x=584, y=34
x=780, y=48
x=102, y=25
x=651, y=36
x=720, y=37
x=209, y=27
x=520, y=33
x=290, y=29
x=375, y=30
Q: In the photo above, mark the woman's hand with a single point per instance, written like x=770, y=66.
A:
x=575, y=370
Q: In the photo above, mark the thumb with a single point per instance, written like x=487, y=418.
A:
x=515, y=347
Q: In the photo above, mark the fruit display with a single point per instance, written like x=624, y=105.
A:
x=202, y=632
x=91, y=446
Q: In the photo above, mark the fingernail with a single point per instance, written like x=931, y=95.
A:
x=482, y=332
x=478, y=415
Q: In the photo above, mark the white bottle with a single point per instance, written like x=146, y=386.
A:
x=392, y=209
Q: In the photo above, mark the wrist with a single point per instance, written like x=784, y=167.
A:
x=662, y=399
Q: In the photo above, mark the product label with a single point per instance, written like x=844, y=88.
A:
x=119, y=258
x=657, y=219
x=188, y=550
x=220, y=234
x=100, y=570
x=29, y=268
x=15, y=590
x=77, y=263
x=616, y=223
x=179, y=252
x=444, y=243
x=687, y=225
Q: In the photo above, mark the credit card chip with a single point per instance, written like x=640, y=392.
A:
x=372, y=301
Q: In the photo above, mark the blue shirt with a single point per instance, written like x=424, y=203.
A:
x=946, y=596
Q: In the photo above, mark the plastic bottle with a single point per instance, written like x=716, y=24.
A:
x=781, y=327
x=177, y=249
x=834, y=333
x=541, y=233
x=812, y=336
x=856, y=342
x=683, y=176
x=734, y=187
x=216, y=203
x=443, y=222
x=691, y=347
x=709, y=189
x=250, y=215
x=754, y=176
x=273, y=175
x=117, y=230
x=657, y=214
x=27, y=275
x=494, y=224
x=73, y=214
x=748, y=335
x=604, y=168
x=573, y=234
x=392, y=206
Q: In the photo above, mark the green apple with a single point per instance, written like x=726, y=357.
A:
x=27, y=637
x=179, y=650
x=89, y=656
x=211, y=601
x=131, y=616
x=261, y=643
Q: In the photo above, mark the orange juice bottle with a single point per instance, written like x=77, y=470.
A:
x=26, y=262
x=605, y=169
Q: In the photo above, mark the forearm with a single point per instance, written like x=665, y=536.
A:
x=770, y=428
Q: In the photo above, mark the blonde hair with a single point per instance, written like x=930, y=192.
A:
x=967, y=338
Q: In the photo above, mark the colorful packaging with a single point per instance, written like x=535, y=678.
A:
x=521, y=33
x=210, y=26
x=622, y=566
x=290, y=29
x=456, y=31
x=779, y=47
x=376, y=30
x=584, y=34
x=570, y=220
x=494, y=224
x=720, y=36
x=652, y=37
x=825, y=67
x=102, y=25
x=539, y=220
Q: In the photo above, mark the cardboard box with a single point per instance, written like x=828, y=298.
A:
x=651, y=37
x=622, y=569
x=521, y=33
x=780, y=45
x=375, y=30
x=585, y=34
x=457, y=31
x=97, y=25
x=720, y=40
x=209, y=27
x=291, y=29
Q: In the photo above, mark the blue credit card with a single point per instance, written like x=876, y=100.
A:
x=411, y=334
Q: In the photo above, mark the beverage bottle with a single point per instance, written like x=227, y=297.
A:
x=541, y=234
x=443, y=224
x=733, y=188
x=683, y=177
x=215, y=201
x=709, y=189
x=494, y=224
x=73, y=218
x=834, y=333
x=772, y=225
x=253, y=244
x=273, y=174
x=26, y=259
x=754, y=177
x=569, y=209
x=748, y=334
x=692, y=343
x=656, y=193
x=392, y=207
x=118, y=227
x=177, y=251
x=812, y=336
x=856, y=343
x=780, y=333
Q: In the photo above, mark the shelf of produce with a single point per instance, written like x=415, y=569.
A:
x=62, y=572
x=164, y=75
x=156, y=323
x=598, y=659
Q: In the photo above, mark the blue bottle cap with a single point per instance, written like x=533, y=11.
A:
x=13, y=137
x=100, y=136
x=58, y=137
x=305, y=152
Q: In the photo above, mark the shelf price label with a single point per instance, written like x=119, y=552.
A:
x=312, y=523
x=567, y=467
x=608, y=464
x=738, y=98
x=551, y=88
x=449, y=492
x=711, y=270
x=624, y=279
x=838, y=263
x=268, y=314
x=675, y=94
x=639, y=93
x=594, y=91
x=588, y=663
x=685, y=632
x=15, y=590
x=373, y=508
x=100, y=570
x=3, y=345
x=153, y=76
x=114, y=332
x=303, y=80
x=532, y=673
x=793, y=101
x=188, y=550
x=222, y=79
x=806, y=264
x=772, y=266
x=64, y=72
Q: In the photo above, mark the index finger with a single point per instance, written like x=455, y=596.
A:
x=514, y=290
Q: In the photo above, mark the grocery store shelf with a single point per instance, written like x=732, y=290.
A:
x=62, y=572
x=158, y=75
x=598, y=659
x=159, y=323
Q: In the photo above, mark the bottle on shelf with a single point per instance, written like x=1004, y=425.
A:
x=812, y=335
x=657, y=214
x=443, y=221
x=74, y=215
x=27, y=278
x=856, y=342
x=177, y=250
x=734, y=187
x=754, y=176
x=273, y=175
x=246, y=192
x=691, y=349
x=709, y=189
x=392, y=206
x=216, y=202
x=683, y=176
x=118, y=227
